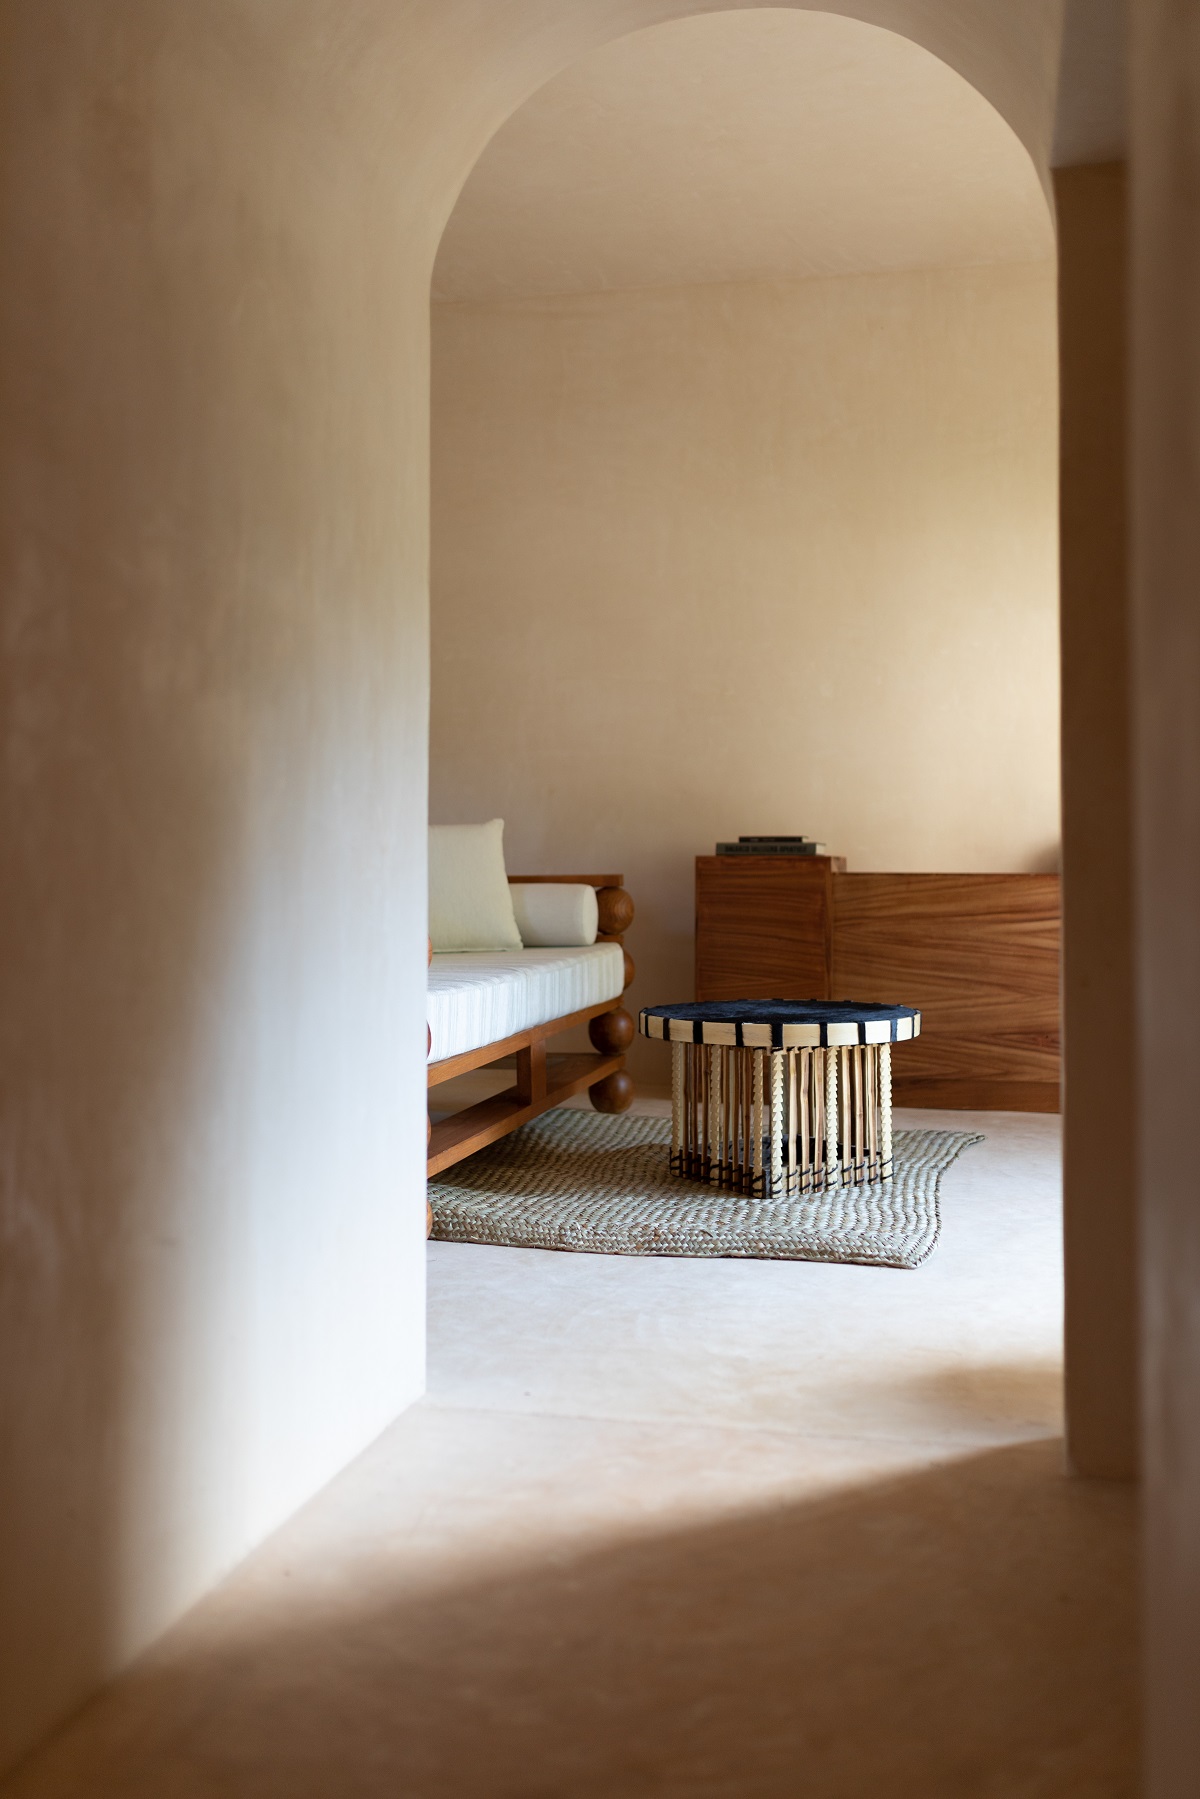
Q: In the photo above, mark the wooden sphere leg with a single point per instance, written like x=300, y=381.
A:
x=611, y=1032
x=615, y=908
x=614, y=1093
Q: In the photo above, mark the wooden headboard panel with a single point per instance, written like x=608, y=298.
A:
x=978, y=953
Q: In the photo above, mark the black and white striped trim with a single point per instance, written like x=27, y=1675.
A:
x=778, y=1035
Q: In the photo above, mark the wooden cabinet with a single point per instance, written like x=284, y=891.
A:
x=762, y=920
x=978, y=953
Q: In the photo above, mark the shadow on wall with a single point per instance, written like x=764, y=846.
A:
x=211, y=913
x=114, y=916
x=965, y=1631
x=1046, y=861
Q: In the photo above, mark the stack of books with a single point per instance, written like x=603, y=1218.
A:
x=772, y=846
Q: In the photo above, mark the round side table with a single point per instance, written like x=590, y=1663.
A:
x=774, y=1097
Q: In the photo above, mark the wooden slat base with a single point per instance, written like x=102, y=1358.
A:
x=464, y=1132
x=971, y=1094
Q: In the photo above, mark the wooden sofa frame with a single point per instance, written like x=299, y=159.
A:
x=543, y=1079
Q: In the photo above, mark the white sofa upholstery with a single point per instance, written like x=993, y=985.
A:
x=482, y=997
x=555, y=914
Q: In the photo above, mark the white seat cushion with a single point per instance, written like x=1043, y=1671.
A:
x=485, y=996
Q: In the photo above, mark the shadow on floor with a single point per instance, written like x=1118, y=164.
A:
x=963, y=1633
x=1013, y=1396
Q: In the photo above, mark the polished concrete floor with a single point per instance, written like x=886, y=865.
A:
x=688, y=1529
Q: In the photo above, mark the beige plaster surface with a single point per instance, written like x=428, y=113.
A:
x=763, y=557
x=1091, y=122
x=1099, y=1197
x=1164, y=684
x=212, y=383
x=742, y=146
x=682, y=1527
x=219, y=226
x=967, y=1353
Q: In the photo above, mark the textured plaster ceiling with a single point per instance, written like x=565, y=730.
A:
x=768, y=143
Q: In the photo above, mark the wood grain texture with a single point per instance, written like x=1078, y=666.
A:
x=462, y=1133
x=568, y=880
x=614, y=1093
x=615, y=908
x=541, y=1080
x=979, y=955
x=451, y=1066
x=613, y=1031
x=530, y=1064
x=763, y=927
x=975, y=1094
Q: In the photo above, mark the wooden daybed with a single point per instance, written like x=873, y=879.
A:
x=543, y=1078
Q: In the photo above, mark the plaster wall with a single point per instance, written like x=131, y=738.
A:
x=752, y=557
x=218, y=226
x=1164, y=690
x=212, y=807
x=1099, y=1167
x=765, y=144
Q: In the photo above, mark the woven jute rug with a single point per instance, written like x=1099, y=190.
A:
x=584, y=1181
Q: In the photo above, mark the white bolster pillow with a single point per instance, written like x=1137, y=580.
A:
x=555, y=914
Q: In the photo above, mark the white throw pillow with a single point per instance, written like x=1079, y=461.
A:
x=470, y=906
x=555, y=914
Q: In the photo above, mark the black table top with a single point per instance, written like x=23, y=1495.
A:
x=781, y=1023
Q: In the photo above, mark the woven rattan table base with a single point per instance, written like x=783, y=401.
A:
x=600, y=1184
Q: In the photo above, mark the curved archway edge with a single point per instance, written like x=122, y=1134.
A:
x=214, y=353
x=1009, y=54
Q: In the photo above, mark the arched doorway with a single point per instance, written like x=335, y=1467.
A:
x=745, y=493
x=216, y=336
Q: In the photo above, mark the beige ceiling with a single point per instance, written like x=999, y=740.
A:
x=741, y=145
